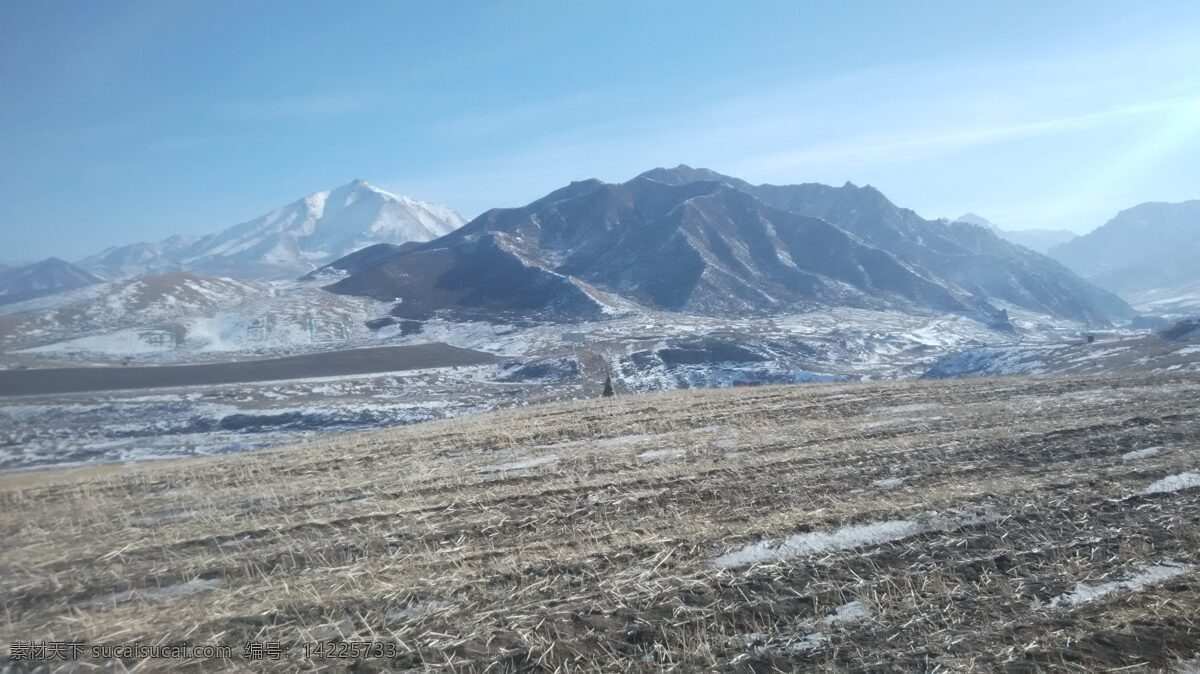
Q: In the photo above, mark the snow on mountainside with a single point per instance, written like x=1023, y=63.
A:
x=969, y=258
x=291, y=240
x=146, y=303
x=695, y=242
x=1123, y=353
x=701, y=248
x=182, y=315
x=49, y=276
x=137, y=259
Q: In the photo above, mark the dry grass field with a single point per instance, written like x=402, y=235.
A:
x=1011, y=524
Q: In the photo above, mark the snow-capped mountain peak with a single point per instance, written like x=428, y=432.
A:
x=292, y=239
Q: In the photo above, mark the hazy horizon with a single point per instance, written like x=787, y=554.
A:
x=134, y=121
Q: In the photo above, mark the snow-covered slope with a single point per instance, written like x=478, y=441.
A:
x=691, y=241
x=182, y=316
x=147, y=302
x=1146, y=353
x=291, y=240
x=137, y=259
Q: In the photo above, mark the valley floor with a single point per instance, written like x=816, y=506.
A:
x=971, y=525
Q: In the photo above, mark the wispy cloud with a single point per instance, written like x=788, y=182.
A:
x=905, y=147
x=530, y=115
x=869, y=125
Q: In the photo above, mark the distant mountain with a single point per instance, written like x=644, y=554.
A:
x=693, y=241
x=291, y=240
x=975, y=261
x=1149, y=254
x=1040, y=240
x=201, y=313
x=49, y=276
x=138, y=259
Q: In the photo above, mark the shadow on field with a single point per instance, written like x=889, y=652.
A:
x=328, y=364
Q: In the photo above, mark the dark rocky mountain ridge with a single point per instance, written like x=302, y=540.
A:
x=694, y=241
x=49, y=276
x=359, y=260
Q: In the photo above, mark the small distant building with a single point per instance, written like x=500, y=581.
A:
x=164, y=340
x=1091, y=339
x=259, y=329
x=574, y=337
x=327, y=330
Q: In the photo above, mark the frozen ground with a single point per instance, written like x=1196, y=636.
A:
x=735, y=530
x=1145, y=353
x=1182, y=301
x=217, y=320
x=181, y=318
x=172, y=423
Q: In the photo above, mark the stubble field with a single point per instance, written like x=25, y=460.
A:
x=976, y=525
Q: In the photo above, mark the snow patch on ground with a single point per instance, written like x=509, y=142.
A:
x=847, y=538
x=809, y=643
x=1173, y=483
x=185, y=589
x=655, y=454
x=792, y=643
x=1145, y=577
x=520, y=465
x=848, y=614
x=601, y=443
x=1141, y=453
x=190, y=587
x=901, y=421
x=818, y=542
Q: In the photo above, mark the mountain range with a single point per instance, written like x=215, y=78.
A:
x=1149, y=253
x=288, y=241
x=1040, y=240
x=696, y=241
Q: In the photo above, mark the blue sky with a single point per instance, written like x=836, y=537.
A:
x=128, y=121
